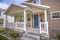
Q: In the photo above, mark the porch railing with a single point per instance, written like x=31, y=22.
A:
x=1, y=25
x=44, y=27
x=17, y=25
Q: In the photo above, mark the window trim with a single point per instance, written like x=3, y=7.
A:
x=54, y=12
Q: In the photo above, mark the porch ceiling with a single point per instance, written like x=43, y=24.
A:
x=15, y=9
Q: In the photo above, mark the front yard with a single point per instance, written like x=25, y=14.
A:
x=10, y=34
x=3, y=38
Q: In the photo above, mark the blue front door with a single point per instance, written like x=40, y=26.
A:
x=36, y=21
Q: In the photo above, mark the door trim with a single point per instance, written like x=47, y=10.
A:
x=38, y=19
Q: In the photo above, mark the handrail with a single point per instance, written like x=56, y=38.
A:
x=44, y=27
x=17, y=25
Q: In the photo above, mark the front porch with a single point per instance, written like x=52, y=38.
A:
x=24, y=18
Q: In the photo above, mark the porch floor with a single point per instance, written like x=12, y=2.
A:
x=34, y=30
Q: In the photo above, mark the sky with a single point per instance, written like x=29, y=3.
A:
x=8, y=2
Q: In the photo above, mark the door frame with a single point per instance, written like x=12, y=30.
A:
x=33, y=18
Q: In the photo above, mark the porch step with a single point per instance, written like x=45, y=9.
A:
x=34, y=33
x=30, y=36
x=44, y=36
x=33, y=30
x=34, y=36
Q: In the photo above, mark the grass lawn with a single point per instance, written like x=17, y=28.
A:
x=2, y=30
x=14, y=35
x=3, y=38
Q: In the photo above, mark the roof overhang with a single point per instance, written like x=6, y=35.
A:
x=37, y=8
x=13, y=8
x=37, y=5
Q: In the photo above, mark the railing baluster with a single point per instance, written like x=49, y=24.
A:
x=17, y=25
x=44, y=27
x=40, y=27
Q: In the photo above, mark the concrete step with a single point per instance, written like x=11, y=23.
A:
x=44, y=36
x=34, y=33
x=36, y=30
x=34, y=36
x=30, y=36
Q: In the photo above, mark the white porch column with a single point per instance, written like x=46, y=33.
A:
x=45, y=14
x=4, y=21
x=24, y=20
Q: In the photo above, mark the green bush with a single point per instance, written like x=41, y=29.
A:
x=2, y=30
x=3, y=38
x=14, y=35
x=58, y=36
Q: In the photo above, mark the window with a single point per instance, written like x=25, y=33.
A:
x=1, y=21
x=56, y=14
x=19, y=18
x=36, y=1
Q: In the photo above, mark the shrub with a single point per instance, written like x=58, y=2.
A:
x=2, y=30
x=14, y=35
x=58, y=36
x=3, y=38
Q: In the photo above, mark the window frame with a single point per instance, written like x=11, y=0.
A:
x=19, y=18
x=54, y=12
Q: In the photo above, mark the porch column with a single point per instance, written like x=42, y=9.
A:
x=45, y=14
x=46, y=23
x=24, y=20
x=4, y=21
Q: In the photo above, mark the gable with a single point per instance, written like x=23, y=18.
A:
x=13, y=8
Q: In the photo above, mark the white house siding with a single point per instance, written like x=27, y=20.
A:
x=3, y=7
x=9, y=19
x=2, y=17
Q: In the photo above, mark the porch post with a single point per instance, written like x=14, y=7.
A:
x=24, y=20
x=4, y=21
x=46, y=23
x=45, y=14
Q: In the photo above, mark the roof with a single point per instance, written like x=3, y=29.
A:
x=37, y=5
x=15, y=8
x=19, y=5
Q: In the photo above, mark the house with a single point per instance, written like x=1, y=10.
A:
x=53, y=16
x=42, y=16
x=3, y=8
